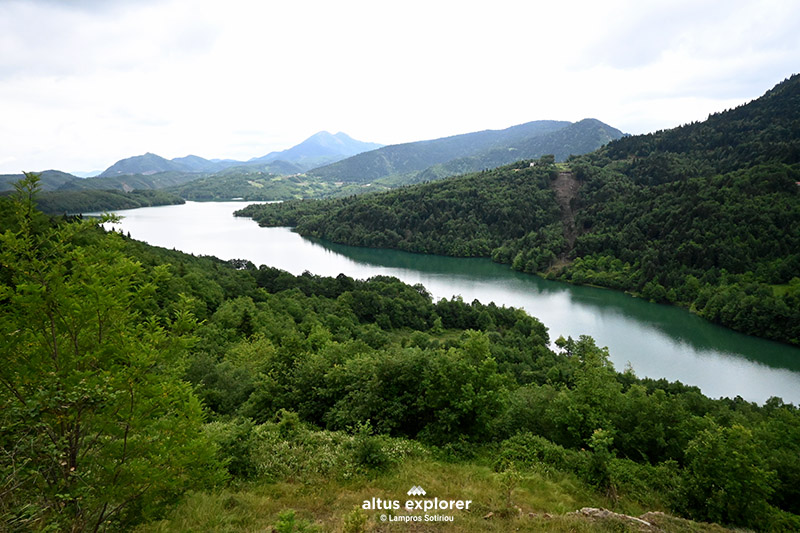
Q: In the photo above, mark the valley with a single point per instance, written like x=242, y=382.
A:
x=151, y=389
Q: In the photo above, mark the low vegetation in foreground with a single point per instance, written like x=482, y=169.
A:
x=152, y=390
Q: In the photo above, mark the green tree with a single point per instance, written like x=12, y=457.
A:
x=98, y=430
x=727, y=479
x=594, y=398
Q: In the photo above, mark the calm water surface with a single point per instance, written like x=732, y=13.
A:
x=657, y=340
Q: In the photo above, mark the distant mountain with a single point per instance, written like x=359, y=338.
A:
x=402, y=163
x=150, y=163
x=390, y=166
x=320, y=149
x=89, y=174
x=574, y=139
x=131, y=182
x=51, y=180
x=193, y=163
x=55, y=180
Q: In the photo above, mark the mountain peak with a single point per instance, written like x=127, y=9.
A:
x=140, y=164
x=320, y=149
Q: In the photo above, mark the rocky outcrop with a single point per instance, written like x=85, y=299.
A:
x=605, y=514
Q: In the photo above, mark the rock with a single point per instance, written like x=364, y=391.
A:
x=488, y=516
x=593, y=512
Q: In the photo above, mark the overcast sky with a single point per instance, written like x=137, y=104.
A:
x=86, y=83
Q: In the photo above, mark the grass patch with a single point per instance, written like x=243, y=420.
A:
x=780, y=290
x=540, y=502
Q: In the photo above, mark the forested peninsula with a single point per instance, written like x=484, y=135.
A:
x=88, y=200
x=150, y=389
x=705, y=216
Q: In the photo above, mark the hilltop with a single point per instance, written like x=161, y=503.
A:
x=320, y=149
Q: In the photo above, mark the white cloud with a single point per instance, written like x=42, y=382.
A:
x=82, y=85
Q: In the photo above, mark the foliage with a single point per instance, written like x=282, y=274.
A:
x=344, y=353
x=289, y=523
x=355, y=521
x=98, y=427
x=715, y=244
x=466, y=217
x=728, y=480
x=310, y=380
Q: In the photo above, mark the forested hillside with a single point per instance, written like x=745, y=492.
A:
x=579, y=138
x=142, y=386
x=92, y=200
x=402, y=164
x=706, y=216
x=468, y=217
x=50, y=180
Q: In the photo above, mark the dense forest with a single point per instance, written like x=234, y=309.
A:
x=705, y=216
x=84, y=201
x=147, y=388
x=468, y=217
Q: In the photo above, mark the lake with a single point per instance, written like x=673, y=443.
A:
x=657, y=341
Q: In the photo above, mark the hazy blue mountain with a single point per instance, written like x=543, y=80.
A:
x=148, y=163
x=320, y=149
x=89, y=174
x=55, y=180
x=402, y=163
x=193, y=163
x=130, y=182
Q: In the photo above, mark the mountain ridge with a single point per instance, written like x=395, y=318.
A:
x=319, y=149
x=291, y=173
x=403, y=163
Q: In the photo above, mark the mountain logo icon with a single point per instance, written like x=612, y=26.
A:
x=416, y=490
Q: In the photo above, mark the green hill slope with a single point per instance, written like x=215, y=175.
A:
x=401, y=159
x=574, y=139
x=51, y=180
